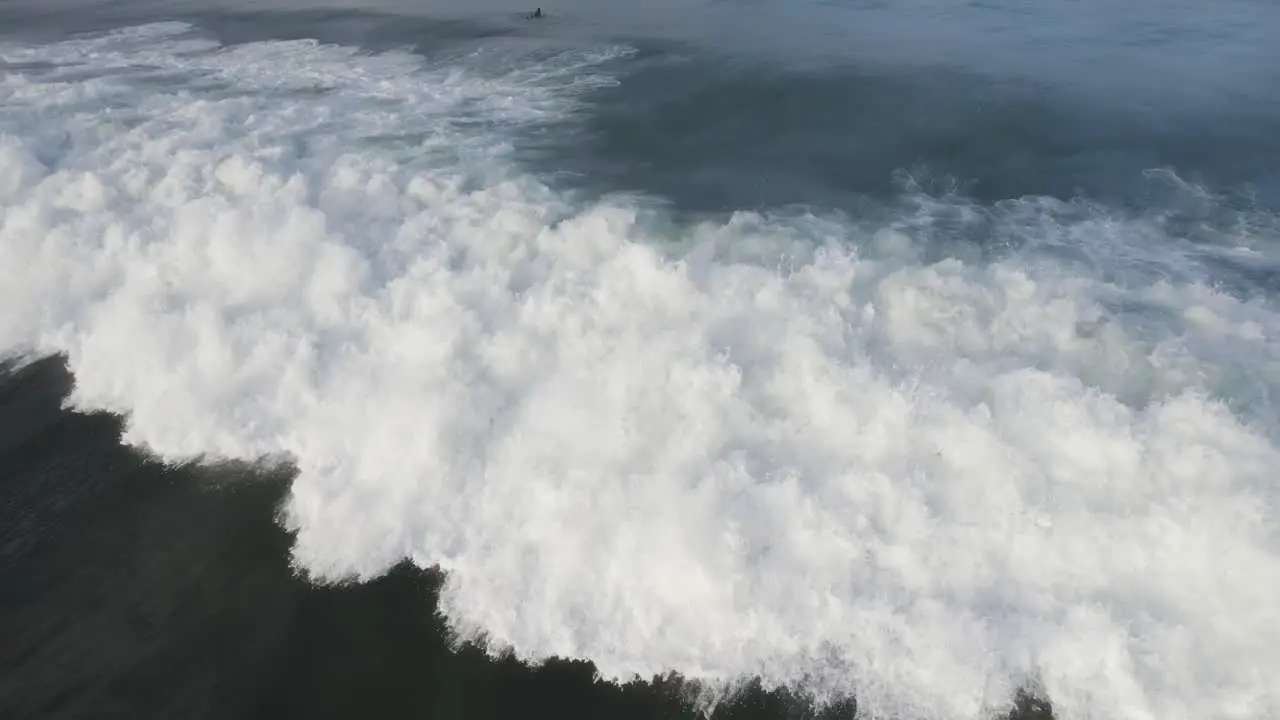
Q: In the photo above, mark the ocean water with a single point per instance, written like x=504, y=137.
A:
x=913, y=360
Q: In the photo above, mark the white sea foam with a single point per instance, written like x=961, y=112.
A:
x=861, y=470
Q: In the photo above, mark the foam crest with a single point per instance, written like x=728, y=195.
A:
x=861, y=470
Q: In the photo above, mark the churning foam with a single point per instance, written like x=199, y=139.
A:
x=860, y=470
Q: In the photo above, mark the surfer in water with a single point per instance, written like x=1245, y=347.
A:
x=536, y=14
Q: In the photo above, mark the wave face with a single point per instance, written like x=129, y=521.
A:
x=845, y=456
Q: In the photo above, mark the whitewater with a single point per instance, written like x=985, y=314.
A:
x=850, y=456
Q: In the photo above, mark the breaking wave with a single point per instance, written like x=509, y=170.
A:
x=848, y=457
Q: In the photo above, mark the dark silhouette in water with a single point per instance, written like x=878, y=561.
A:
x=536, y=14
